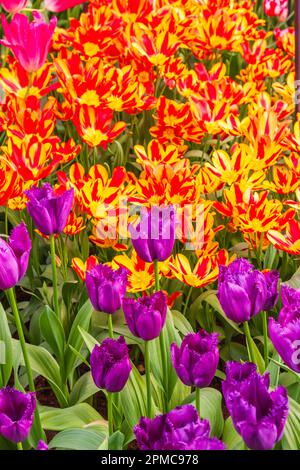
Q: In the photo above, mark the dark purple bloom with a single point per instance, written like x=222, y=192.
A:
x=154, y=237
x=146, y=316
x=180, y=429
x=196, y=360
x=258, y=415
x=16, y=414
x=49, y=210
x=14, y=257
x=271, y=278
x=110, y=364
x=242, y=290
x=285, y=333
x=106, y=287
x=42, y=445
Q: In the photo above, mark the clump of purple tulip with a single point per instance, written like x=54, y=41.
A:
x=180, y=429
x=16, y=414
x=258, y=415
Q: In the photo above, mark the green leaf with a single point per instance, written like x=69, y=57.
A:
x=258, y=359
x=116, y=441
x=83, y=389
x=53, y=332
x=77, y=416
x=291, y=436
x=231, y=438
x=133, y=398
x=78, y=439
x=88, y=339
x=181, y=323
x=6, y=349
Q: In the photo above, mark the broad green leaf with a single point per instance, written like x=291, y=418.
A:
x=231, y=438
x=83, y=389
x=181, y=323
x=291, y=436
x=258, y=359
x=133, y=398
x=77, y=416
x=116, y=441
x=6, y=350
x=88, y=339
x=53, y=332
x=78, y=439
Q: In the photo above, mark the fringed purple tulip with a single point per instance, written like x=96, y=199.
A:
x=285, y=333
x=154, y=237
x=14, y=257
x=106, y=288
x=146, y=316
x=258, y=415
x=110, y=364
x=49, y=210
x=180, y=429
x=242, y=290
x=196, y=360
x=42, y=445
x=271, y=278
x=16, y=414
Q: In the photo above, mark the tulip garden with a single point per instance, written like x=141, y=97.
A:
x=149, y=225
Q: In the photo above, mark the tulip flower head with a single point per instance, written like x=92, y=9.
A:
x=13, y=6
x=48, y=209
x=14, y=257
x=180, y=429
x=106, y=287
x=61, y=5
x=196, y=360
x=16, y=414
x=146, y=316
x=110, y=364
x=42, y=445
x=258, y=415
x=29, y=41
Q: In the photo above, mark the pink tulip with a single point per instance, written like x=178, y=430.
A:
x=61, y=5
x=13, y=6
x=29, y=42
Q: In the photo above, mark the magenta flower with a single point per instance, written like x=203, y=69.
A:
x=29, y=42
x=180, y=429
x=16, y=414
x=146, y=316
x=60, y=5
x=42, y=445
x=14, y=257
x=49, y=210
x=13, y=6
x=110, y=364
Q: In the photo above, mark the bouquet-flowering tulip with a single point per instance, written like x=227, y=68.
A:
x=110, y=364
x=285, y=333
x=16, y=414
x=146, y=316
x=48, y=209
x=258, y=415
x=60, y=5
x=106, y=288
x=180, y=429
x=12, y=6
x=29, y=42
x=196, y=360
x=243, y=291
x=14, y=257
x=154, y=237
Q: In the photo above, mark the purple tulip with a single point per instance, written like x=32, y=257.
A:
x=42, y=445
x=242, y=290
x=48, y=209
x=16, y=414
x=196, y=360
x=180, y=429
x=285, y=333
x=146, y=316
x=106, y=288
x=14, y=257
x=110, y=364
x=258, y=415
x=271, y=278
x=154, y=237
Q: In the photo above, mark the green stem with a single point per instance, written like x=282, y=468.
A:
x=110, y=326
x=156, y=274
x=6, y=221
x=198, y=400
x=265, y=332
x=110, y=413
x=19, y=446
x=148, y=379
x=249, y=341
x=187, y=300
x=54, y=275
x=13, y=303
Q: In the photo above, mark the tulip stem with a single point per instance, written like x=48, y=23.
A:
x=198, y=400
x=249, y=341
x=13, y=303
x=187, y=300
x=156, y=274
x=110, y=412
x=110, y=326
x=265, y=332
x=54, y=275
x=19, y=446
x=148, y=379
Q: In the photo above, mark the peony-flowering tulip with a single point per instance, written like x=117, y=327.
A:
x=48, y=209
x=146, y=316
x=29, y=41
x=258, y=415
x=180, y=429
x=285, y=333
x=196, y=360
x=110, y=364
x=16, y=413
x=60, y=5
x=14, y=257
x=242, y=290
x=154, y=237
x=13, y=6
x=106, y=287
